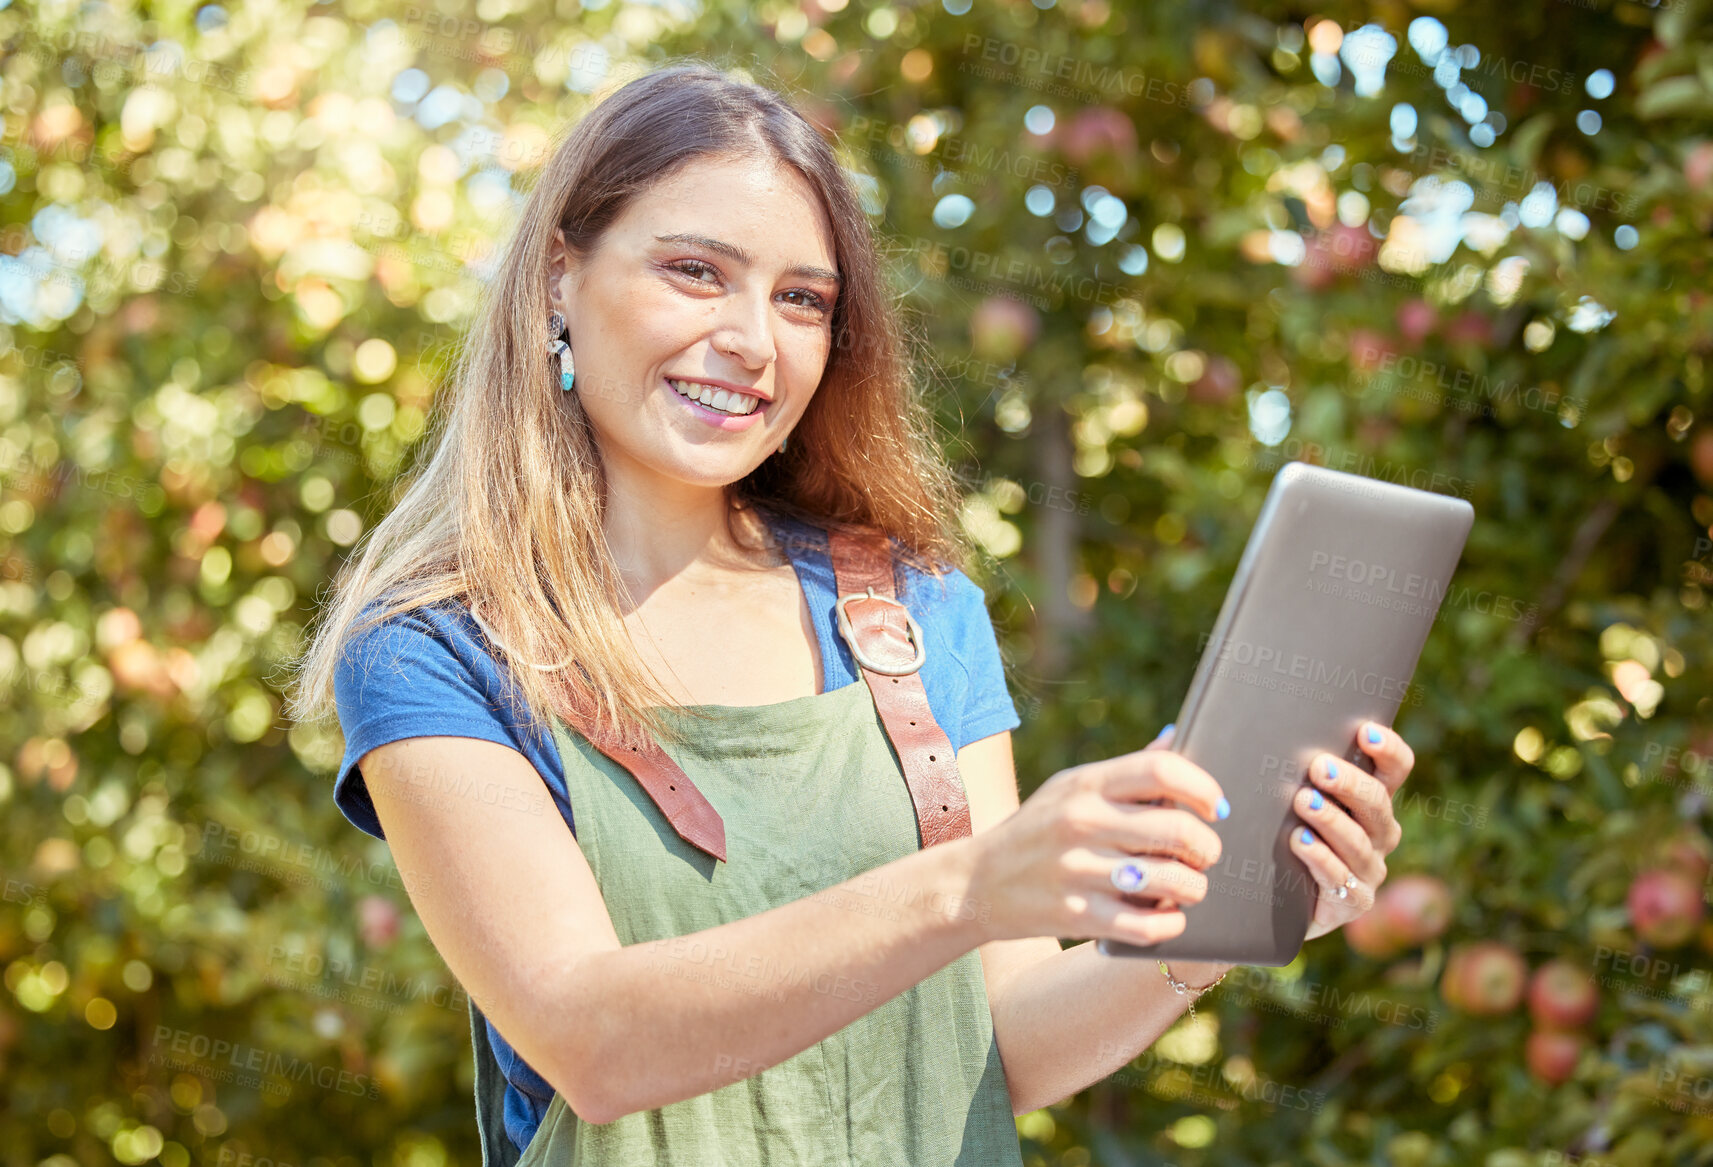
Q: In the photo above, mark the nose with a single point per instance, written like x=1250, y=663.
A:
x=745, y=330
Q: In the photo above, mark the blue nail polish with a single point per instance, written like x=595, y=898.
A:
x=1316, y=801
x=1223, y=810
x=1169, y=726
x=1373, y=736
x=1332, y=770
x=1308, y=836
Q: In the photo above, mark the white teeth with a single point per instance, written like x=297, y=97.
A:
x=724, y=400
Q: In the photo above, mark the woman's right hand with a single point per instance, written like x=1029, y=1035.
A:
x=1047, y=870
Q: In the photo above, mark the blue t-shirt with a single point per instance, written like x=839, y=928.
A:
x=429, y=673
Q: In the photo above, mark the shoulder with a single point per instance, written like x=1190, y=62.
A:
x=399, y=645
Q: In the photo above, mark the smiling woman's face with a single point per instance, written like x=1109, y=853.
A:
x=718, y=281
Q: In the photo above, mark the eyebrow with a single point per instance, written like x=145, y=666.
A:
x=806, y=271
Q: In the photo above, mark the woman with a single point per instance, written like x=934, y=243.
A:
x=683, y=422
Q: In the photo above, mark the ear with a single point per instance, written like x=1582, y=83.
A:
x=561, y=273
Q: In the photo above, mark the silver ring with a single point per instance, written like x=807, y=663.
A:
x=1131, y=877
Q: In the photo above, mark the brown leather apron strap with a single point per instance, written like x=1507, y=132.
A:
x=685, y=807
x=887, y=647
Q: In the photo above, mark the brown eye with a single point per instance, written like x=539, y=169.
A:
x=695, y=269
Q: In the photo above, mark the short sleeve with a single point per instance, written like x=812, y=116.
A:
x=425, y=673
x=988, y=708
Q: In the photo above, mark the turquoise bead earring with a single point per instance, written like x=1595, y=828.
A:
x=556, y=344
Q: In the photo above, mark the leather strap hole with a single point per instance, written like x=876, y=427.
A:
x=669, y=786
x=930, y=757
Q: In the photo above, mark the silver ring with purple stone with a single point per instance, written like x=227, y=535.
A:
x=1129, y=877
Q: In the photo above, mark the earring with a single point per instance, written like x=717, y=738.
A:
x=782, y=442
x=556, y=344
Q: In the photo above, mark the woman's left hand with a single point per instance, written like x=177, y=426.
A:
x=1350, y=827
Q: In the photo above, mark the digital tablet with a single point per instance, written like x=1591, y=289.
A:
x=1338, y=587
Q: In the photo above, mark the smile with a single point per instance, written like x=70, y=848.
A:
x=715, y=398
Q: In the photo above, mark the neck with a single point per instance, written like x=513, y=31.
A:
x=658, y=529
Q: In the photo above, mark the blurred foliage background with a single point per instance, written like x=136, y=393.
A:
x=1151, y=252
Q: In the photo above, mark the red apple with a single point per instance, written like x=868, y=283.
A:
x=1665, y=907
x=1099, y=129
x=1416, y=318
x=1220, y=382
x=1417, y=908
x=1561, y=996
x=1370, y=935
x=1485, y=978
x=1552, y=1054
x=1368, y=349
x=1698, y=168
x=1469, y=328
x=377, y=920
x=1701, y=456
x=1690, y=853
x=1001, y=327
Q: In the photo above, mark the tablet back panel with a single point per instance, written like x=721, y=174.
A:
x=1333, y=599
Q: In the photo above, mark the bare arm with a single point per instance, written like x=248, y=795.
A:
x=622, y=1029
x=1063, y=1018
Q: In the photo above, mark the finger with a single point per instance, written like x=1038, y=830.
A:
x=1160, y=878
x=1168, y=831
x=1363, y=795
x=1339, y=831
x=1331, y=875
x=1114, y=918
x=1393, y=758
x=1144, y=774
x=1163, y=739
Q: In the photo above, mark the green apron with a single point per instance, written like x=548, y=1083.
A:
x=812, y=795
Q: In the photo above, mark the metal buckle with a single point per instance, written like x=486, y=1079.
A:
x=849, y=634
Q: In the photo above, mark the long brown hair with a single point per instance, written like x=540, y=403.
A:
x=515, y=481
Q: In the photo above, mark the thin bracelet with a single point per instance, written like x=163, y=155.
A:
x=1182, y=988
